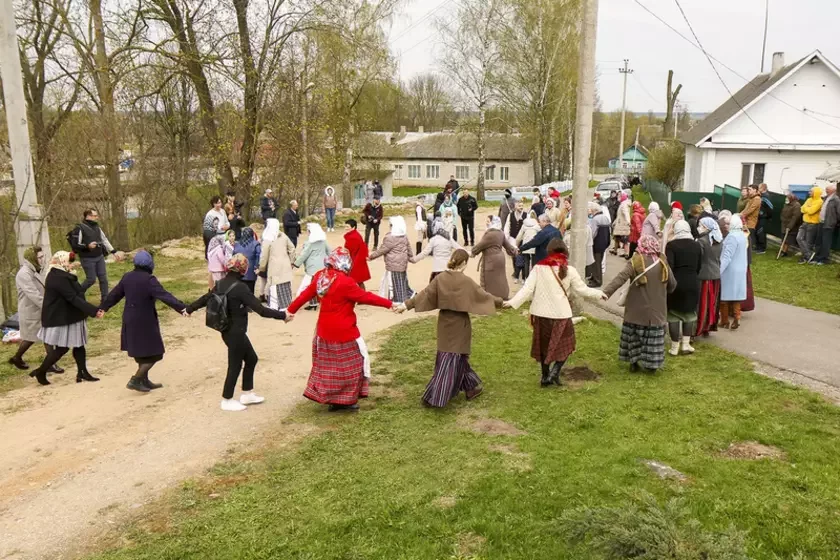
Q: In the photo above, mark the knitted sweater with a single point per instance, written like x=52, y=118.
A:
x=547, y=298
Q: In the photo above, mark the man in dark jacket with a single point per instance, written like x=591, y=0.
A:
x=89, y=242
x=373, y=219
x=829, y=221
x=540, y=241
x=467, y=205
x=291, y=222
x=765, y=214
x=377, y=190
x=452, y=185
x=791, y=221
x=268, y=206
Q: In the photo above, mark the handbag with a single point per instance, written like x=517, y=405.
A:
x=622, y=294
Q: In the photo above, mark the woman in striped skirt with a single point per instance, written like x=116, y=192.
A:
x=278, y=253
x=396, y=250
x=456, y=296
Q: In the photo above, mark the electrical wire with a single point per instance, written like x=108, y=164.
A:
x=430, y=35
x=428, y=14
x=644, y=89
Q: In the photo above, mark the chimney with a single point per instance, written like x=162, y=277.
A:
x=420, y=129
x=778, y=64
x=402, y=130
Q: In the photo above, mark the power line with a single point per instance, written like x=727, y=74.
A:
x=421, y=20
x=430, y=35
x=644, y=89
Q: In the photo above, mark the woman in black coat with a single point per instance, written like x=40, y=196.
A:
x=685, y=257
x=63, y=318
x=140, y=335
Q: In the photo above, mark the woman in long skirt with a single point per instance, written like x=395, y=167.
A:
x=315, y=250
x=646, y=306
x=711, y=241
x=396, y=249
x=456, y=296
x=278, y=254
x=733, y=274
x=685, y=257
x=340, y=360
x=549, y=286
x=494, y=243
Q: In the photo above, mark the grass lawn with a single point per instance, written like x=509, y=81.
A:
x=783, y=280
x=399, y=481
x=415, y=191
x=180, y=276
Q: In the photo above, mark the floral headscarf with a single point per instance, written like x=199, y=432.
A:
x=438, y=228
x=649, y=245
x=337, y=262
x=62, y=260
x=238, y=263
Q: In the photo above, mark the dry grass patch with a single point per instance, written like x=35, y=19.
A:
x=445, y=502
x=753, y=451
x=487, y=426
x=468, y=545
x=514, y=459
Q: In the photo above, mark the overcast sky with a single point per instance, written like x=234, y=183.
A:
x=730, y=30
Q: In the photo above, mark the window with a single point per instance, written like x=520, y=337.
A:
x=413, y=171
x=433, y=172
x=490, y=173
x=758, y=173
x=752, y=173
x=398, y=169
x=462, y=172
x=504, y=174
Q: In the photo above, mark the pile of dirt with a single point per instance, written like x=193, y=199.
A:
x=579, y=374
x=753, y=451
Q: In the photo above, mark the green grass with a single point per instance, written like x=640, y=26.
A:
x=415, y=191
x=785, y=281
x=181, y=277
x=370, y=486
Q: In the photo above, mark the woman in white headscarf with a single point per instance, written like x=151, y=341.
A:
x=492, y=247
x=711, y=241
x=668, y=230
x=278, y=253
x=396, y=249
x=315, y=250
x=733, y=274
x=653, y=223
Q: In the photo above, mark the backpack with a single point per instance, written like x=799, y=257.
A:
x=218, y=313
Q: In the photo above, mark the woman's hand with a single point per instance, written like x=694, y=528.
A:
x=399, y=308
x=506, y=305
x=604, y=297
x=289, y=317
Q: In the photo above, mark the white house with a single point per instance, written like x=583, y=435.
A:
x=782, y=128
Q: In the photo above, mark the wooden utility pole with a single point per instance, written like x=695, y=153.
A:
x=304, y=144
x=30, y=226
x=583, y=131
x=626, y=71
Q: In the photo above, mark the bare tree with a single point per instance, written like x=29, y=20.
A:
x=670, y=103
x=429, y=100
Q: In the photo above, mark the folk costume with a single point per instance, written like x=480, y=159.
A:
x=396, y=250
x=276, y=258
x=492, y=247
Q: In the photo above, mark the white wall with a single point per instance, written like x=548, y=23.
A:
x=803, y=167
x=693, y=169
x=520, y=173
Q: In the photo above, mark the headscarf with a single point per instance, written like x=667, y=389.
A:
x=682, y=230
x=238, y=263
x=712, y=227
x=439, y=229
x=677, y=215
x=246, y=237
x=272, y=230
x=638, y=208
x=62, y=260
x=495, y=223
x=676, y=204
x=337, y=262
x=329, y=191
x=649, y=245
x=143, y=259
x=316, y=233
x=549, y=203
x=707, y=206
x=736, y=224
x=623, y=196
x=653, y=208
x=31, y=256
x=508, y=194
x=398, y=227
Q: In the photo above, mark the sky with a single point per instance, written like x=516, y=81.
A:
x=729, y=30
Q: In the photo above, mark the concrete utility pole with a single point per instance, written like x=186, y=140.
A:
x=766, y=24
x=626, y=71
x=29, y=228
x=583, y=131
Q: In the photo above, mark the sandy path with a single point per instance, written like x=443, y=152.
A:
x=76, y=457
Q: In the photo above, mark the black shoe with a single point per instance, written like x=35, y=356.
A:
x=545, y=380
x=41, y=376
x=18, y=363
x=634, y=367
x=151, y=384
x=55, y=369
x=343, y=407
x=136, y=384
x=555, y=374
x=85, y=376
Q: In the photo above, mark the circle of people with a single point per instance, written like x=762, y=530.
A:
x=691, y=277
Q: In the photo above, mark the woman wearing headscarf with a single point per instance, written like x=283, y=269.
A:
x=63, y=318
x=636, y=223
x=30, y=292
x=450, y=206
x=645, y=307
x=315, y=250
x=440, y=248
x=733, y=274
x=685, y=257
x=358, y=250
x=241, y=355
x=523, y=261
x=421, y=227
x=456, y=296
x=600, y=225
x=621, y=226
x=250, y=247
x=492, y=246
x=652, y=224
x=140, y=336
x=555, y=215
x=711, y=242
x=549, y=287
x=340, y=360
x=276, y=258
x=668, y=230
x=449, y=223
x=396, y=251
x=219, y=250
x=724, y=218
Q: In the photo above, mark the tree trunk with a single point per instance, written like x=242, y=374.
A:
x=250, y=128
x=482, y=125
x=346, y=187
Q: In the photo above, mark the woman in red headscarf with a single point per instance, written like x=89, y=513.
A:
x=340, y=361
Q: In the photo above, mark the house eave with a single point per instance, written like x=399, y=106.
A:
x=774, y=147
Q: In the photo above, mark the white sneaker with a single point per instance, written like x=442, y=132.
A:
x=251, y=398
x=231, y=405
x=686, y=345
x=675, y=349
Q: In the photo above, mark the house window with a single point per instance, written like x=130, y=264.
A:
x=758, y=173
x=398, y=170
x=433, y=172
x=490, y=173
x=504, y=174
x=413, y=171
x=752, y=173
x=462, y=172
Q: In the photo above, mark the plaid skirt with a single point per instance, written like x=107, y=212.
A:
x=707, y=310
x=642, y=345
x=280, y=295
x=453, y=374
x=553, y=339
x=337, y=375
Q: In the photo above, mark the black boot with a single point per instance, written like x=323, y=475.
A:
x=136, y=384
x=149, y=383
x=555, y=373
x=85, y=375
x=545, y=381
x=40, y=375
x=18, y=362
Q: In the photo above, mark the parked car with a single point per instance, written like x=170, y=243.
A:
x=603, y=190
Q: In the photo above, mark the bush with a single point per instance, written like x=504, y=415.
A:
x=666, y=164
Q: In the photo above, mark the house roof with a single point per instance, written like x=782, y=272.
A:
x=441, y=146
x=644, y=152
x=747, y=95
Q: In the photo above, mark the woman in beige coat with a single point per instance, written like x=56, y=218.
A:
x=491, y=248
x=278, y=253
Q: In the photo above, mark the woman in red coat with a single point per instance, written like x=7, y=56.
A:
x=636, y=222
x=358, y=250
x=340, y=361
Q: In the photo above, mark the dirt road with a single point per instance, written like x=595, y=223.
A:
x=77, y=457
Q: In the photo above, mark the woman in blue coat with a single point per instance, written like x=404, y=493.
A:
x=140, y=327
x=251, y=248
x=733, y=274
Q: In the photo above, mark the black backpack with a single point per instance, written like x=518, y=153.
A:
x=218, y=313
